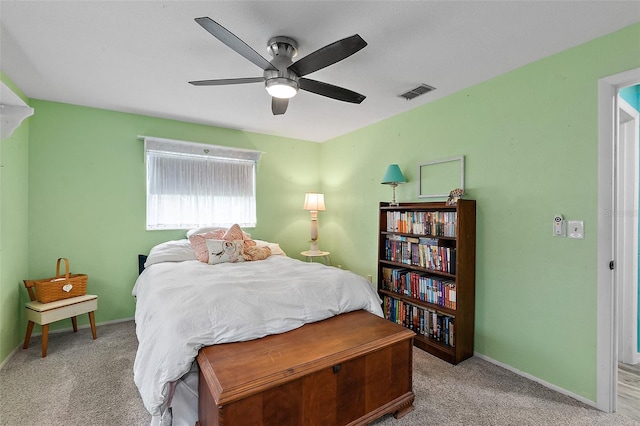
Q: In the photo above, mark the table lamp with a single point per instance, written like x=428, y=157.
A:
x=393, y=177
x=314, y=202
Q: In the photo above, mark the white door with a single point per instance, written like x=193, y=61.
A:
x=627, y=232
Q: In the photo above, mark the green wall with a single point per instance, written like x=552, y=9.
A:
x=14, y=152
x=530, y=141
x=87, y=194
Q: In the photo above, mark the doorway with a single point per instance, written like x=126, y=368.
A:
x=626, y=276
x=617, y=234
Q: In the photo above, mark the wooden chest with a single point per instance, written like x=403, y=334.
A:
x=346, y=370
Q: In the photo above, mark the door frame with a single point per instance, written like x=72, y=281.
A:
x=627, y=232
x=607, y=328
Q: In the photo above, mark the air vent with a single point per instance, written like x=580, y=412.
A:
x=414, y=93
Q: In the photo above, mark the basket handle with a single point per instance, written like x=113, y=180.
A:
x=66, y=267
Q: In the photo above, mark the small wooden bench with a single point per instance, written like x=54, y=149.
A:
x=46, y=313
x=347, y=370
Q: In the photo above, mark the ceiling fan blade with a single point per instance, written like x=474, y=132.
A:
x=231, y=40
x=330, y=91
x=328, y=55
x=278, y=105
x=225, y=81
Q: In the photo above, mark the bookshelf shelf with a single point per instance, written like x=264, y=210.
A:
x=426, y=273
x=422, y=235
x=419, y=303
x=417, y=268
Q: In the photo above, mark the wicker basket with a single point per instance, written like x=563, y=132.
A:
x=61, y=286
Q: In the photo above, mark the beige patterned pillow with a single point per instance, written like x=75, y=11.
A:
x=256, y=253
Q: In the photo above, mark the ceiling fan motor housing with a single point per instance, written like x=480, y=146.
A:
x=282, y=49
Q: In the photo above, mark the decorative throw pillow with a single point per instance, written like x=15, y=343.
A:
x=256, y=253
x=234, y=233
x=249, y=244
x=221, y=251
x=199, y=243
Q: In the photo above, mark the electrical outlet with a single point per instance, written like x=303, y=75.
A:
x=576, y=229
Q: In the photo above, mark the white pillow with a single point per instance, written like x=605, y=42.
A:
x=171, y=251
x=275, y=247
x=221, y=251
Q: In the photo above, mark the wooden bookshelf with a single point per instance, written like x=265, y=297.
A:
x=426, y=273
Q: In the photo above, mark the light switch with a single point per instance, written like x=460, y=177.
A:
x=575, y=229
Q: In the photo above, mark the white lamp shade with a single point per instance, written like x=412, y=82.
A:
x=314, y=202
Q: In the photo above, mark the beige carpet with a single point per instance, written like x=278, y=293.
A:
x=476, y=392
x=87, y=382
x=80, y=382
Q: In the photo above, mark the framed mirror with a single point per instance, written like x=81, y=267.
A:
x=439, y=177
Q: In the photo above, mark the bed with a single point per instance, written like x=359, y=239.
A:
x=184, y=304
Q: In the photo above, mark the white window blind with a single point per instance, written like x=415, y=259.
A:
x=191, y=185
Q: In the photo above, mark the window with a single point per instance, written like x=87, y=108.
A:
x=191, y=185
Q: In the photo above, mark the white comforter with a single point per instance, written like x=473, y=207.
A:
x=183, y=306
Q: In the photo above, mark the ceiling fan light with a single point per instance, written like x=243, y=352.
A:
x=282, y=88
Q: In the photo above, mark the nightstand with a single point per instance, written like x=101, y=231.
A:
x=310, y=255
x=46, y=313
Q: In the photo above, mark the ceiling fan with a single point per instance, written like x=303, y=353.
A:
x=283, y=77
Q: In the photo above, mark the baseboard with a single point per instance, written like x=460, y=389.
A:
x=537, y=380
x=3, y=363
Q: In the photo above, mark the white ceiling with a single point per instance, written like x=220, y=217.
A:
x=137, y=56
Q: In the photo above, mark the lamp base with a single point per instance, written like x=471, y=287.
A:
x=393, y=197
x=314, y=247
